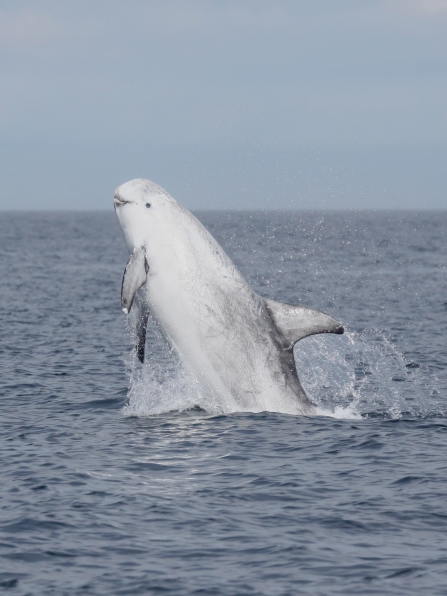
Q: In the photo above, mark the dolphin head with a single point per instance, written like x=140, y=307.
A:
x=140, y=204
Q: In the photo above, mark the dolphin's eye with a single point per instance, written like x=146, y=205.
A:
x=148, y=205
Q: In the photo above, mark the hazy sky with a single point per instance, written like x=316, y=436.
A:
x=248, y=103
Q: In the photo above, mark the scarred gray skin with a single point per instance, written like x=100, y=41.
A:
x=236, y=344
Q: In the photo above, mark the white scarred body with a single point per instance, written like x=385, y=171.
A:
x=220, y=328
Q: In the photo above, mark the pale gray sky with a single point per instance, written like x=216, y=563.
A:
x=247, y=104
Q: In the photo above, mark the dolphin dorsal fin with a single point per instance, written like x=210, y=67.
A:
x=297, y=322
x=134, y=277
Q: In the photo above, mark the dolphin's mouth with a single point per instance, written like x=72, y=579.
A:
x=118, y=201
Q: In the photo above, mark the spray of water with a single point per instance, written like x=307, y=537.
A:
x=353, y=376
x=364, y=375
x=162, y=384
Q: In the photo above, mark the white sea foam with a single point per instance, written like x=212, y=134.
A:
x=340, y=412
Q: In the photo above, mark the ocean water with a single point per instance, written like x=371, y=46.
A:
x=118, y=479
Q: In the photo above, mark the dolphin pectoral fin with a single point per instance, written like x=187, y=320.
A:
x=134, y=277
x=141, y=315
x=297, y=322
x=141, y=333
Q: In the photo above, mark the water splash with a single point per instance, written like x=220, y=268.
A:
x=364, y=374
x=353, y=376
x=161, y=385
x=150, y=395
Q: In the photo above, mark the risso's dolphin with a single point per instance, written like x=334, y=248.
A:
x=237, y=345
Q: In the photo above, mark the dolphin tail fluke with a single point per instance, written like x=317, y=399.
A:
x=297, y=322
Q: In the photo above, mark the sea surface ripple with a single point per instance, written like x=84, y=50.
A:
x=116, y=481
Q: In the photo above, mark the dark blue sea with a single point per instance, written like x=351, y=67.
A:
x=114, y=478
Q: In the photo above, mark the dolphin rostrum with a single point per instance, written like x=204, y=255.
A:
x=237, y=345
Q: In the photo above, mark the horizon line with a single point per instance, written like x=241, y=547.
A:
x=246, y=210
